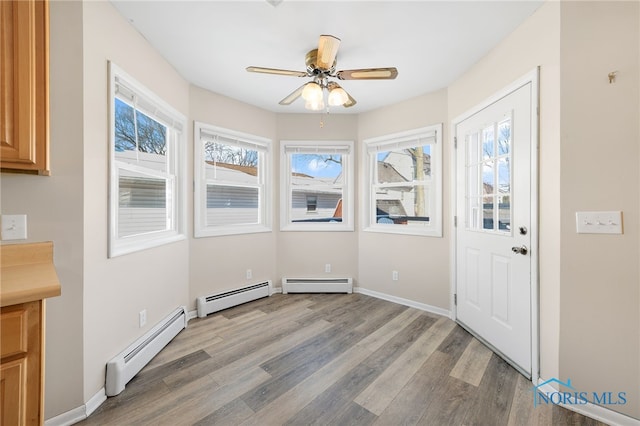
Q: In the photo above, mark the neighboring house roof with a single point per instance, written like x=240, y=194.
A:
x=393, y=158
x=250, y=170
x=388, y=173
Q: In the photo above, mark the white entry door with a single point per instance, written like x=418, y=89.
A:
x=493, y=233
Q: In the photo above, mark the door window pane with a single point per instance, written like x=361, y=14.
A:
x=489, y=183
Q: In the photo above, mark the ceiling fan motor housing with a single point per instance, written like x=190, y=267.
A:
x=311, y=60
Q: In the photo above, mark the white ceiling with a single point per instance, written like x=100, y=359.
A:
x=431, y=43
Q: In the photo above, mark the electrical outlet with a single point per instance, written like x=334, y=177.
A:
x=394, y=275
x=327, y=268
x=249, y=274
x=14, y=227
x=142, y=317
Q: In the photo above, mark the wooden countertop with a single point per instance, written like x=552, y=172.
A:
x=27, y=273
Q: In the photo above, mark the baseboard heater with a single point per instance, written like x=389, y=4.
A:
x=317, y=285
x=129, y=362
x=217, y=302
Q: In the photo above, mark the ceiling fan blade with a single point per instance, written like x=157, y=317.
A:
x=327, y=51
x=277, y=71
x=292, y=96
x=351, y=102
x=368, y=74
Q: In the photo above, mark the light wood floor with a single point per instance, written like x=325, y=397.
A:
x=327, y=359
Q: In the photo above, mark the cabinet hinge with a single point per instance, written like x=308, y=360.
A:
x=455, y=142
x=455, y=299
x=455, y=221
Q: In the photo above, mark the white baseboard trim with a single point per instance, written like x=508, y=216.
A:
x=405, y=302
x=594, y=411
x=80, y=413
x=192, y=315
x=95, y=401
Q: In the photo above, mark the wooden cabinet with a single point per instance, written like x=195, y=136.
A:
x=28, y=277
x=24, y=86
x=21, y=364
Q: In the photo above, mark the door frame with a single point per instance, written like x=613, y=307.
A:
x=533, y=78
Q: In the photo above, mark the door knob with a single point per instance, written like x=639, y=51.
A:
x=520, y=250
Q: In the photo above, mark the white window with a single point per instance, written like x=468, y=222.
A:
x=316, y=186
x=403, y=191
x=146, y=207
x=231, y=172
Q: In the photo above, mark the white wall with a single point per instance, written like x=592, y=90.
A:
x=157, y=279
x=54, y=210
x=220, y=263
x=422, y=262
x=304, y=254
x=600, y=291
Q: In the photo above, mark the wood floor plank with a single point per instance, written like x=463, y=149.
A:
x=494, y=397
x=353, y=415
x=163, y=411
x=229, y=415
x=330, y=402
x=193, y=406
x=285, y=406
x=448, y=404
x=324, y=408
x=377, y=396
x=302, y=353
x=286, y=375
x=522, y=409
x=472, y=363
x=385, y=355
x=382, y=335
x=408, y=407
x=328, y=355
x=229, y=372
x=455, y=344
x=292, y=401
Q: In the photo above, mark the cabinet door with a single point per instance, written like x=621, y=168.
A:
x=13, y=386
x=24, y=85
x=21, y=383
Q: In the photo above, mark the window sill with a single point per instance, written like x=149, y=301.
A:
x=236, y=230
x=323, y=227
x=126, y=247
x=400, y=230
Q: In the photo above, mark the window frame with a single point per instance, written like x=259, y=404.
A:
x=348, y=191
x=263, y=145
x=160, y=111
x=370, y=149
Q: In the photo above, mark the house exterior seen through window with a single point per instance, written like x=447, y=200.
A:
x=316, y=186
x=404, y=182
x=231, y=172
x=146, y=167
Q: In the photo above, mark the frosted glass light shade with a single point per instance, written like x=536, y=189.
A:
x=312, y=92
x=338, y=96
x=315, y=105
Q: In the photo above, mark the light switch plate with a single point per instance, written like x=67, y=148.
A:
x=14, y=227
x=599, y=222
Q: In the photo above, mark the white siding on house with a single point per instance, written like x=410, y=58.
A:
x=325, y=205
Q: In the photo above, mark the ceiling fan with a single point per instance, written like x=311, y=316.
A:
x=321, y=66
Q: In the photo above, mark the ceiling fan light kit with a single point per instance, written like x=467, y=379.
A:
x=321, y=65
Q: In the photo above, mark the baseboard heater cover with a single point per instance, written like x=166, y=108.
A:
x=219, y=301
x=317, y=285
x=122, y=368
